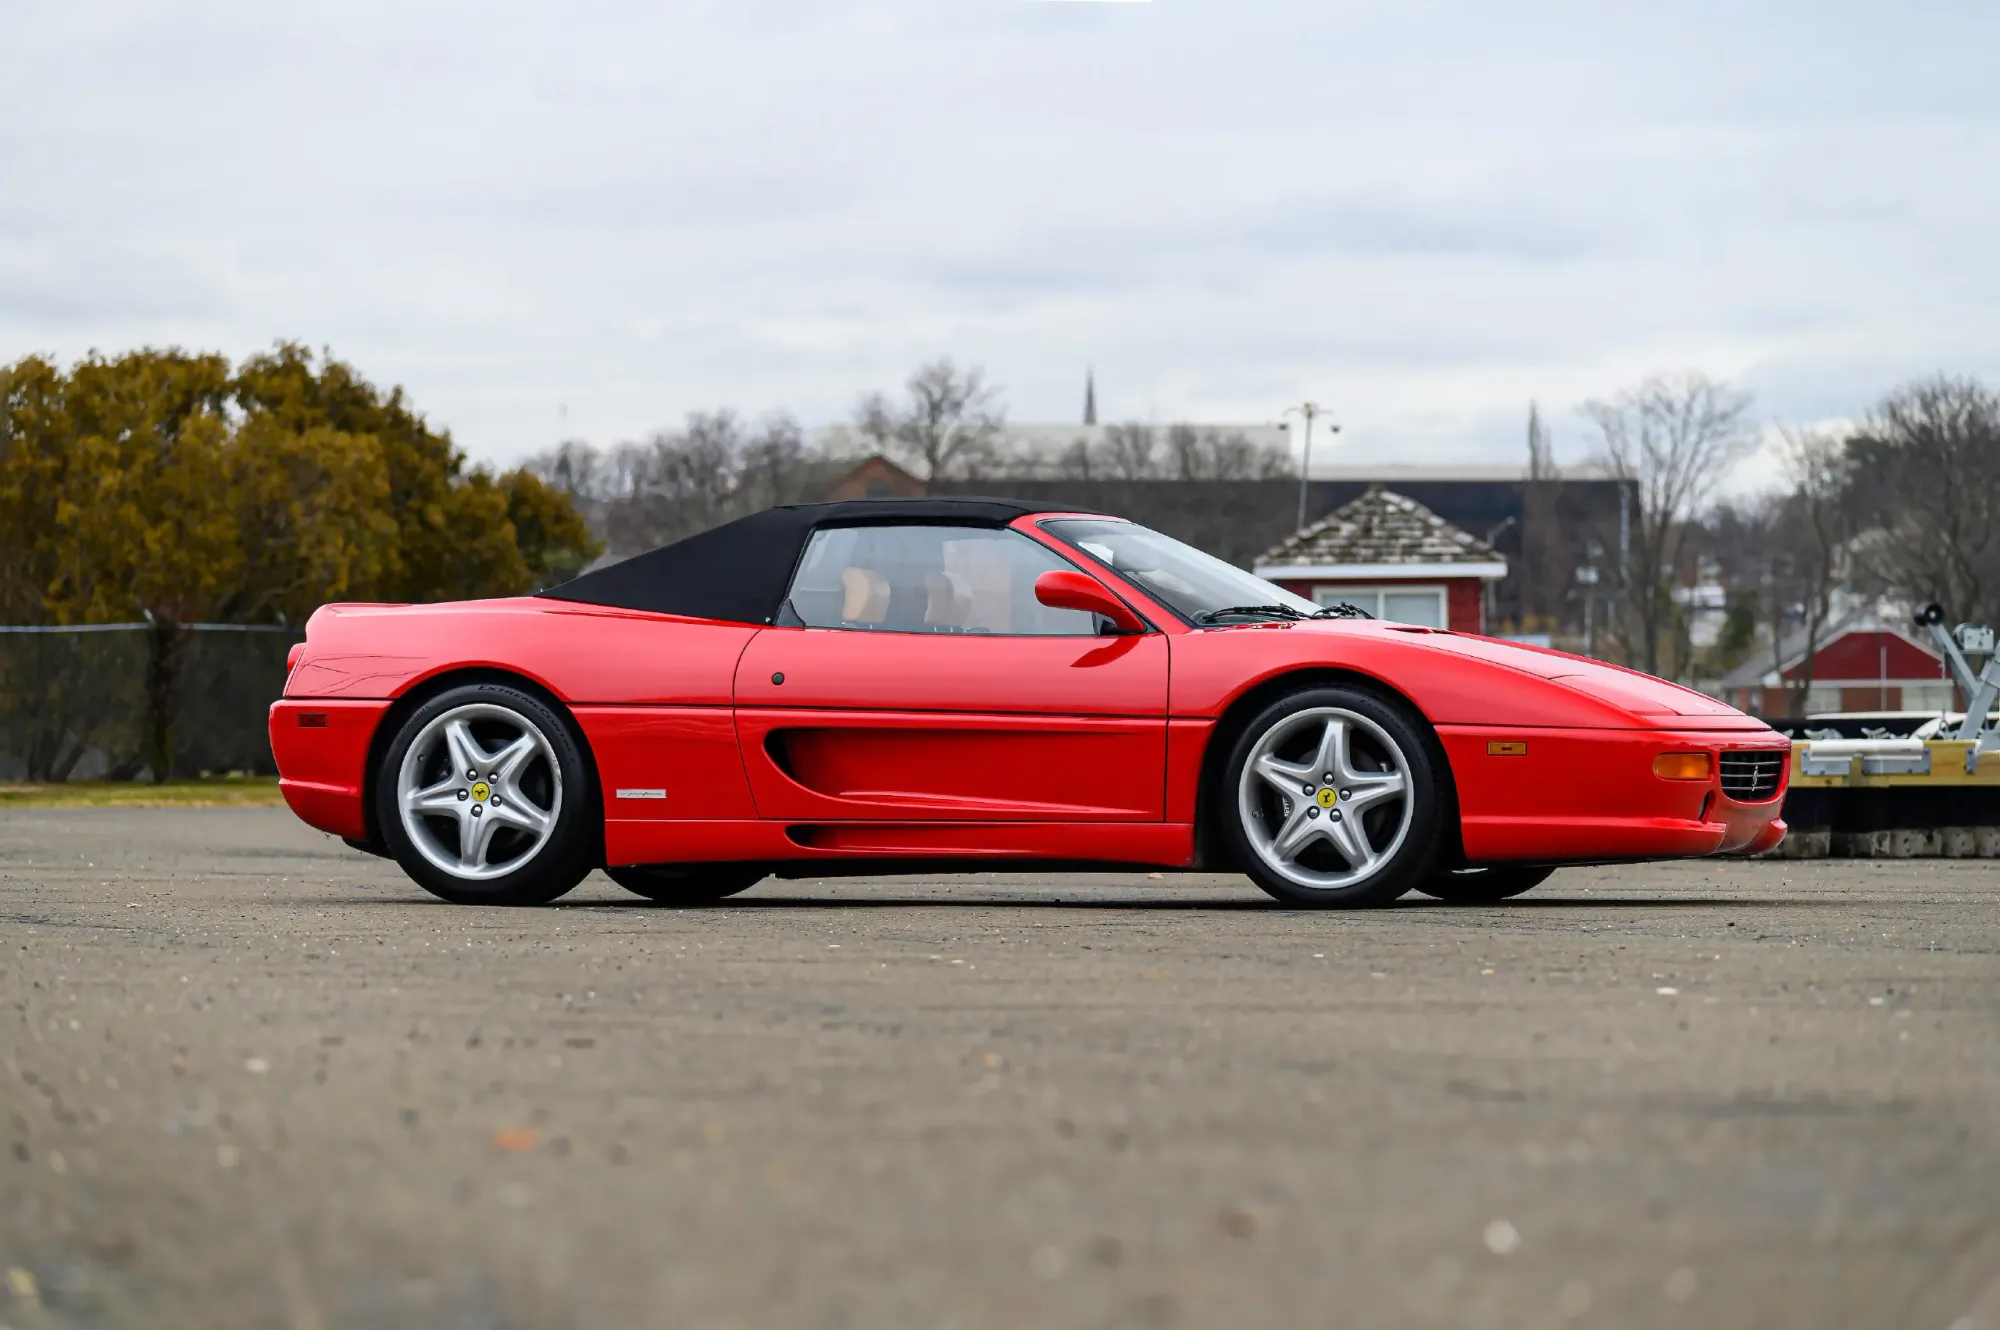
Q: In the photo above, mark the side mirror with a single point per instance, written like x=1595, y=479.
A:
x=1069, y=590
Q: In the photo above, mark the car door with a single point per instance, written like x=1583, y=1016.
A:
x=914, y=676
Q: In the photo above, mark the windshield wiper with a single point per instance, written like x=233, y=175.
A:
x=1249, y=612
x=1341, y=611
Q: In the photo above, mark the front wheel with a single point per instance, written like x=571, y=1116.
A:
x=1484, y=886
x=693, y=884
x=1330, y=799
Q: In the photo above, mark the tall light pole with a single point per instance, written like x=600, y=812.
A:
x=1586, y=577
x=1310, y=411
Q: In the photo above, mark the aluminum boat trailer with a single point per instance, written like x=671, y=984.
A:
x=1907, y=798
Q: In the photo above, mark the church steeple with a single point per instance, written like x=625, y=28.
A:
x=1089, y=397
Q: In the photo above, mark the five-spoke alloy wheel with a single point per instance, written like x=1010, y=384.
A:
x=1331, y=799
x=482, y=796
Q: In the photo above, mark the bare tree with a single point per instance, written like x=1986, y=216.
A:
x=1737, y=538
x=572, y=466
x=1925, y=471
x=1129, y=450
x=1210, y=454
x=678, y=482
x=1076, y=461
x=1809, y=536
x=1673, y=439
x=950, y=423
x=773, y=467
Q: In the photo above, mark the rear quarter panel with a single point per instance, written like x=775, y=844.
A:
x=651, y=693
x=582, y=654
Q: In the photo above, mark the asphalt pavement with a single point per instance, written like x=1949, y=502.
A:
x=249, y=1077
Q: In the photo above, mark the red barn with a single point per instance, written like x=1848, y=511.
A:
x=1393, y=557
x=1864, y=664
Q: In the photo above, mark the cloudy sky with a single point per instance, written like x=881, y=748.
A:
x=588, y=218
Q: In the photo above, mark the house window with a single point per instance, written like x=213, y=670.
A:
x=1928, y=696
x=1422, y=605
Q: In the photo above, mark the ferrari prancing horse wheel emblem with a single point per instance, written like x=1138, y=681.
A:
x=480, y=791
x=1326, y=797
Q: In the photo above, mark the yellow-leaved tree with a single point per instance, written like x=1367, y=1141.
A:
x=159, y=485
x=453, y=537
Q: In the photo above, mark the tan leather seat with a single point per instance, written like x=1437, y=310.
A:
x=980, y=568
x=865, y=595
x=944, y=604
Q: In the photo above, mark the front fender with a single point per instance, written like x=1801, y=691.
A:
x=1213, y=668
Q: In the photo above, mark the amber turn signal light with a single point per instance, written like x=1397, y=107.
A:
x=1683, y=766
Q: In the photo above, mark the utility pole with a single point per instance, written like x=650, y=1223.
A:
x=1310, y=411
x=1586, y=578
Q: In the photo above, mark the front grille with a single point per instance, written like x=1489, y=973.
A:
x=1753, y=777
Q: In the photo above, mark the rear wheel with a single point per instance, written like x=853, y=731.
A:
x=1484, y=886
x=483, y=798
x=1332, y=799
x=690, y=884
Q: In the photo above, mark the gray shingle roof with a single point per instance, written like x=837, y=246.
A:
x=1379, y=527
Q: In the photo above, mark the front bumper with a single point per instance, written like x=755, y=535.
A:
x=1553, y=796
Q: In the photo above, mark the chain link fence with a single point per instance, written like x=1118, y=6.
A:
x=75, y=702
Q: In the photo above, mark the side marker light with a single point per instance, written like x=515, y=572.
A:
x=1683, y=766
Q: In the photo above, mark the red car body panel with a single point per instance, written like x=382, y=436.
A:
x=810, y=766
x=828, y=667
x=779, y=743
x=321, y=748
x=1593, y=793
x=1152, y=844
x=970, y=728
x=581, y=654
x=689, y=752
x=1450, y=677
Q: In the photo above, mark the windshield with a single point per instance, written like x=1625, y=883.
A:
x=1201, y=587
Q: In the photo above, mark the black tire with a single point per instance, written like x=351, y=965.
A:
x=1484, y=886
x=1386, y=722
x=686, y=884
x=565, y=853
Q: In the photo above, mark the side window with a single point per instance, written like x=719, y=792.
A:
x=928, y=579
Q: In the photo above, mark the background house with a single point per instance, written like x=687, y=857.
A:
x=1391, y=556
x=1865, y=663
x=874, y=477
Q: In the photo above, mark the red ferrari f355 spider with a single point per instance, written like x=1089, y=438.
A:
x=904, y=685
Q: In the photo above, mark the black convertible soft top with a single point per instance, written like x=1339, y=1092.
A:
x=738, y=572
